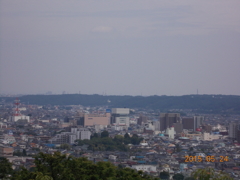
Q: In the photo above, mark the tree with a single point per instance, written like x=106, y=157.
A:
x=189, y=178
x=135, y=139
x=95, y=135
x=209, y=173
x=164, y=175
x=60, y=167
x=104, y=134
x=5, y=168
x=24, y=153
x=126, y=136
x=65, y=146
x=178, y=176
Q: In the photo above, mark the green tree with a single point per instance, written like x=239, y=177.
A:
x=209, y=173
x=189, y=178
x=126, y=136
x=5, y=168
x=164, y=175
x=61, y=167
x=135, y=139
x=95, y=135
x=178, y=176
x=65, y=146
x=41, y=176
x=104, y=134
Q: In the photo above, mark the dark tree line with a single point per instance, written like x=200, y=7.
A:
x=61, y=167
x=105, y=143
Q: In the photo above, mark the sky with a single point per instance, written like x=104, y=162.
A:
x=120, y=47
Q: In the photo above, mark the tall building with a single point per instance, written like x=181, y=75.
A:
x=142, y=119
x=192, y=123
x=167, y=120
x=120, y=116
x=233, y=128
x=198, y=121
x=188, y=123
x=178, y=127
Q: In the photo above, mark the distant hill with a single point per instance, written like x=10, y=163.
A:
x=225, y=104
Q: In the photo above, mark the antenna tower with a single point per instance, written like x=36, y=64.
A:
x=17, y=112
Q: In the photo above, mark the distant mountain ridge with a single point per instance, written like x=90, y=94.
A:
x=199, y=103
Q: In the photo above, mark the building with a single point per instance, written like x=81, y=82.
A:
x=71, y=137
x=8, y=138
x=17, y=115
x=94, y=119
x=120, y=116
x=6, y=151
x=188, y=123
x=145, y=167
x=198, y=121
x=167, y=120
x=238, y=135
x=178, y=127
x=207, y=128
x=192, y=123
x=142, y=119
x=210, y=137
x=233, y=128
x=170, y=132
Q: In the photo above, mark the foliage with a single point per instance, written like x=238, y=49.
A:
x=5, y=168
x=103, y=144
x=110, y=144
x=65, y=146
x=164, y=175
x=209, y=173
x=95, y=135
x=189, y=178
x=61, y=167
x=104, y=134
x=178, y=176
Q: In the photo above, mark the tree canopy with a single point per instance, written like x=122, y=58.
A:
x=61, y=167
x=105, y=143
x=5, y=168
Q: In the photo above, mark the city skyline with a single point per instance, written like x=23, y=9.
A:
x=120, y=47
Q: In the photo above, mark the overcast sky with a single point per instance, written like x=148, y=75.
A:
x=120, y=47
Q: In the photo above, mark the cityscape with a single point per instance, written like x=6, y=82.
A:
x=119, y=90
x=177, y=142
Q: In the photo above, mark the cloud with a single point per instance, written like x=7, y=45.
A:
x=102, y=29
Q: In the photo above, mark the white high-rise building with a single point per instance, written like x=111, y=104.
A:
x=120, y=116
x=170, y=132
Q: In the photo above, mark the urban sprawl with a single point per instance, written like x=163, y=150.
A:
x=177, y=141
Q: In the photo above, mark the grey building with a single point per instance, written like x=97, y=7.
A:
x=167, y=120
x=192, y=123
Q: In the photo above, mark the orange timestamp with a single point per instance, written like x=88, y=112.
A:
x=207, y=158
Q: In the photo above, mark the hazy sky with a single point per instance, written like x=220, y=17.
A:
x=120, y=47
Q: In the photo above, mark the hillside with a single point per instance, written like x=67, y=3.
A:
x=199, y=103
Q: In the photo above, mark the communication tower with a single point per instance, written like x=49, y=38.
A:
x=17, y=112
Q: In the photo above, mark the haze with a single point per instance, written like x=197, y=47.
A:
x=123, y=47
